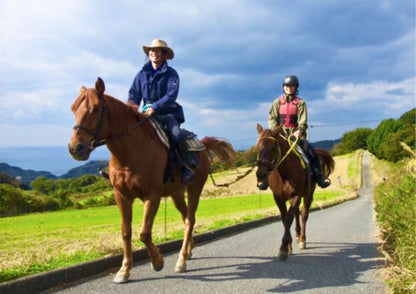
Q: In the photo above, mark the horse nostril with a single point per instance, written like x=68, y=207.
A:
x=79, y=148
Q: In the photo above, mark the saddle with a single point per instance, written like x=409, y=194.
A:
x=192, y=143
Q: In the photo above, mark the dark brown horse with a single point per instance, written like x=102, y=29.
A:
x=136, y=169
x=280, y=167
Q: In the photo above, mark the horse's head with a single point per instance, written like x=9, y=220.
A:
x=268, y=155
x=90, y=121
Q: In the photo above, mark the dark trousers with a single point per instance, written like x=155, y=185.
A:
x=176, y=137
x=172, y=127
x=311, y=154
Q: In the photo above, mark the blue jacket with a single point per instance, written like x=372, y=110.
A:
x=160, y=89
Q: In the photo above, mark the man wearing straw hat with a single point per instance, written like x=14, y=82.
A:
x=157, y=85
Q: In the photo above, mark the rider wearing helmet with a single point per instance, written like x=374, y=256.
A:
x=289, y=111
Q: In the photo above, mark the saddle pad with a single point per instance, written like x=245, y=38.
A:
x=194, y=144
x=160, y=132
x=192, y=141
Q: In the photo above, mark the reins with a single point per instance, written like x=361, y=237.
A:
x=292, y=144
x=228, y=184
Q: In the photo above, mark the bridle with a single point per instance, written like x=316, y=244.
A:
x=270, y=164
x=274, y=164
x=97, y=142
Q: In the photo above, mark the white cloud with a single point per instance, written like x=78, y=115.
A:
x=231, y=57
x=351, y=102
x=196, y=79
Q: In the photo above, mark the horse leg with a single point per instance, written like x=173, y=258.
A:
x=188, y=242
x=281, y=204
x=286, y=247
x=305, y=216
x=180, y=205
x=125, y=207
x=151, y=206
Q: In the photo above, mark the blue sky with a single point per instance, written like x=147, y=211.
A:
x=355, y=60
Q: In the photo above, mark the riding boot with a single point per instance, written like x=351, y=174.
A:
x=316, y=166
x=185, y=162
x=320, y=180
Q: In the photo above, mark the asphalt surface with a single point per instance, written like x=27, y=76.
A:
x=341, y=257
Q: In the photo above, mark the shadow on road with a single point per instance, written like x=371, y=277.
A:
x=343, y=267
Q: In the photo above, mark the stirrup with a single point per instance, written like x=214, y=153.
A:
x=104, y=174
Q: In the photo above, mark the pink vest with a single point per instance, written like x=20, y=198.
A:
x=288, y=112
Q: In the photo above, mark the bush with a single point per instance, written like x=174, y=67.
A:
x=13, y=201
x=396, y=213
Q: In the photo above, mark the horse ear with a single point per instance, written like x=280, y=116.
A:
x=99, y=86
x=259, y=129
x=82, y=89
x=276, y=131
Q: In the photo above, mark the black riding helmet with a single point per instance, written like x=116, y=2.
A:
x=291, y=80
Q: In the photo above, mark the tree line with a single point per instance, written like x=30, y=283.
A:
x=384, y=141
x=92, y=190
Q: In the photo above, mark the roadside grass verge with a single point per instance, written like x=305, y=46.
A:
x=41, y=242
x=396, y=213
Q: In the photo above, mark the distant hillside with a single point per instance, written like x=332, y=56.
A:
x=326, y=145
x=26, y=176
x=91, y=168
x=6, y=179
x=29, y=175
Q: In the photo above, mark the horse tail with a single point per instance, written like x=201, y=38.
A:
x=328, y=163
x=221, y=148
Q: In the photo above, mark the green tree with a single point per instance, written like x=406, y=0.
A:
x=43, y=185
x=409, y=117
x=351, y=141
x=391, y=149
x=378, y=137
x=11, y=200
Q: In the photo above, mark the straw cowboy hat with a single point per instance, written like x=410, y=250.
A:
x=157, y=43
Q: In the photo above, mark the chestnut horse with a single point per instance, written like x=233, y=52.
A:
x=280, y=167
x=136, y=169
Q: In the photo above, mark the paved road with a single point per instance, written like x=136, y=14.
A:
x=341, y=257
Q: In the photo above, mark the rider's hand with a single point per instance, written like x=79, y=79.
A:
x=149, y=112
x=297, y=134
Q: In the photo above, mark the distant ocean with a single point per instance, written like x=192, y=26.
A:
x=55, y=160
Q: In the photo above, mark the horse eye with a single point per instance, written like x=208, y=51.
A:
x=95, y=109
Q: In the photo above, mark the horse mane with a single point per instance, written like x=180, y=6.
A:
x=272, y=132
x=81, y=97
x=122, y=111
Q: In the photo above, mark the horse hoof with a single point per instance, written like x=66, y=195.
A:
x=180, y=268
x=121, y=279
x=158, y=265
x=283, y=256
x=302, y=245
